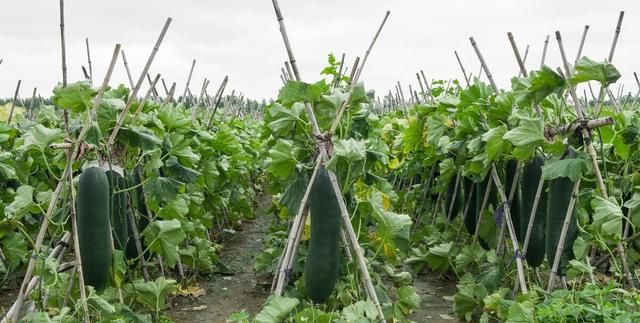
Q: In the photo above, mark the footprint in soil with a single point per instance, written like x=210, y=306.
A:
x=243, y=290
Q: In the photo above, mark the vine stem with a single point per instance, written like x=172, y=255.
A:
x=324, y=153
x=56, y=194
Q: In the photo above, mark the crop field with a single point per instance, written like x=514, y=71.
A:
x=445, y=200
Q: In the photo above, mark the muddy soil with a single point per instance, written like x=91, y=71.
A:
x=244, y=290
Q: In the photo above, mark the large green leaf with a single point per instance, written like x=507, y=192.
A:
x=14, y=248
x=76, y=97
x=139, y=137
x=526, y=137
x=590, y=70
x=163, y=189
x=393, y=231
x=40, y=136
x=572, y=168
x=295, y=91
x=22, y=204
x=607, y=218
x=282, y=159
x=152, y=294
x=164, y=237
x=276, y=309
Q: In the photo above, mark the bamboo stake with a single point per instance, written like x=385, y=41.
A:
x=126, y=68
x=13, y=310
x=169, y=97
x=294, y=231
x=544, y=51
x=524, y=59
x=86, y=40
x=337, y=80
x=186, y=87
x=469, y=200
x=164, y=86
x=424, y=79
x=64, y=50
x=218, y=99
x=464, y=72
x=512, y=233
x=325, y=156
x=76, y=245
x=584, y=36
x=485, y=202
x=288, y=67
x=563, y=236
x=56, y=194
x=453, y=199
x=33, y=99
x=144, y=100
x=612, y=50
x=496, y=179
x=13, y=103
x=154, y=92
x=587, y=140
x=135, y=90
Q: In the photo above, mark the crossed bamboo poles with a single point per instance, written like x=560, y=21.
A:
x=321, y=142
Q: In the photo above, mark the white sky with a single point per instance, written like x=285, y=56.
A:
x=241, y=38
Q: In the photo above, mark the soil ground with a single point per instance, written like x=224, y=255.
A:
x=246, y=290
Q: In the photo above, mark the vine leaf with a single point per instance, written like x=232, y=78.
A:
x=165, y=237
x=590, y=70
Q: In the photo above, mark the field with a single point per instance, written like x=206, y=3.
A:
x=454, y=201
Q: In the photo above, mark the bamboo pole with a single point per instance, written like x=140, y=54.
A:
x=496, y=180
x=13, y=103
x=223, y=85
x=126, y=68
x=544, y=51
x=186, y=87
x=135, y=90
x=483, y=207
x=76, y=245
x=154, y=92
x=612, y=50
x=464, y=72
x=453, y=199
x=325, y=156
x=86, y=40
x=33, y=99
x=33, y=281
x=56, y=194
x=144, y=100
x=581, y=46
x=63, y=46
x=563, y=236
x=424, y=79
x=337, y=80
x=164, y=86
x=587, y=140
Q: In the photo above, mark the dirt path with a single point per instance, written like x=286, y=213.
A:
x=436, y=299
x=241, y=291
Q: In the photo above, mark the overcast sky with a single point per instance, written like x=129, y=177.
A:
x=241, y=38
